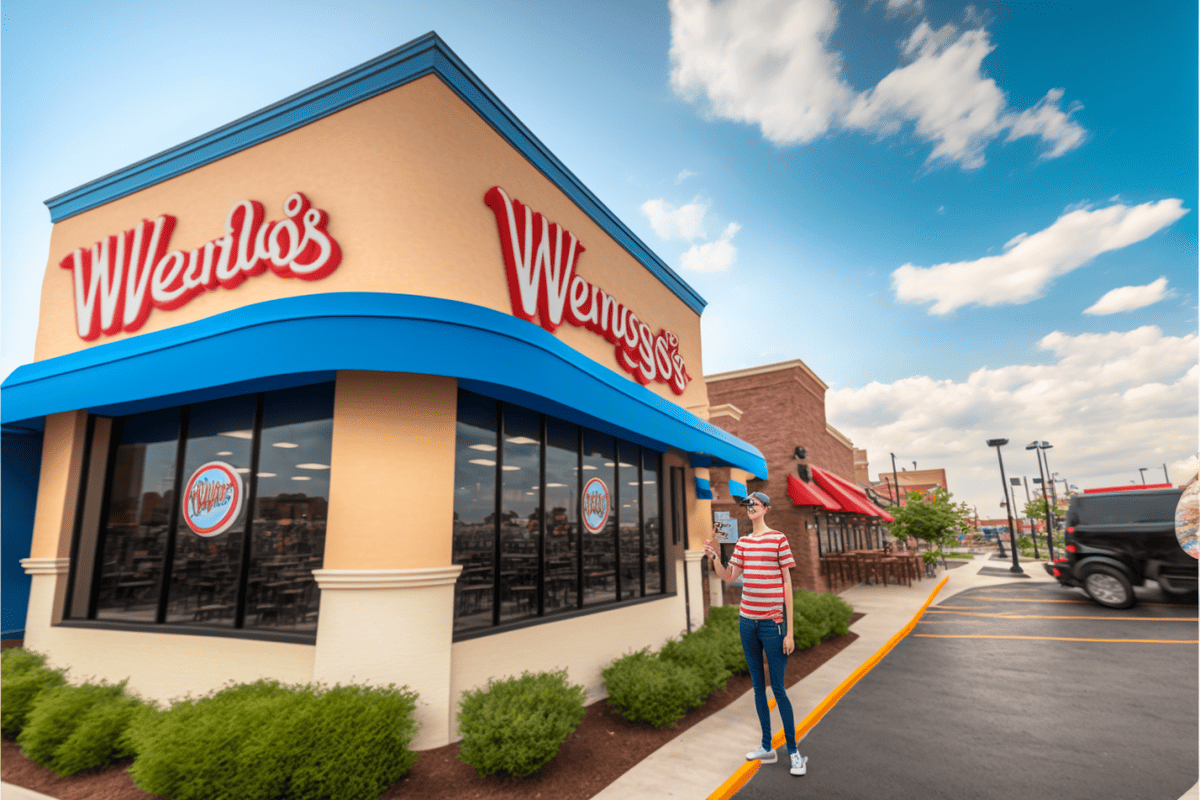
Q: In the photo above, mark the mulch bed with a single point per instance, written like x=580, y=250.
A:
x=603, y=748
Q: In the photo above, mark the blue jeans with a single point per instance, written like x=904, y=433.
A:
x=759, y=635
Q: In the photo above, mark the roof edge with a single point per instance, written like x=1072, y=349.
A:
x=422, y=56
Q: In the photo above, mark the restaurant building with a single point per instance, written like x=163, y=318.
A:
x=815, y=500
x=365, y=386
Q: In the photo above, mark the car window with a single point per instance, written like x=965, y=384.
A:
x=1118, y=509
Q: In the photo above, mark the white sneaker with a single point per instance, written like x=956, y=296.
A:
x=765, y=756
x=799, y=764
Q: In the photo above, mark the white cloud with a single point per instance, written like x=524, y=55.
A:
x=761, y=62
x=768, y=64
x=896, y=6
x=1129, y=298
x=1030, y=262
x=715, y=256
x=683, y=175
x=1109, y=404
x=677, y=222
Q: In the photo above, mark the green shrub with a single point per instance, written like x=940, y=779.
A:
x=71, y=728
x=700, y=652
x=644, y=687
x=722, y=626
x=25, y=676
x=516, y=725
x=267, y=740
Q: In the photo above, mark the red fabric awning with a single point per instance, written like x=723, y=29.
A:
x=851, y=497
x=807, y=494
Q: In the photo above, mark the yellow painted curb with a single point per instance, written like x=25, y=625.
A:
x=736, y=781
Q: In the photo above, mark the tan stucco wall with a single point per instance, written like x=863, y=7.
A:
x=402, y=177
x=58, y=486
x=391, y=486
x=581, y=645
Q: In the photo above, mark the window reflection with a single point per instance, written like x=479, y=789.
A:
x=599, y=548
x=291, y=509
x=134, y=534
x=206, y=569
x=629, y=520
x=474, y=544
x=562, y=516
x=651, y=480
x=520, y=513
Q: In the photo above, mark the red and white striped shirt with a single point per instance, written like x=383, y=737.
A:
x=762, y=559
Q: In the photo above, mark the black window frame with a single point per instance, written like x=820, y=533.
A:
x=239, y=630
x=581, y=606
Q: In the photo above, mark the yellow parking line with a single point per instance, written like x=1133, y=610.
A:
x=1024, y=600
x=955, y=611
x=1053, y=638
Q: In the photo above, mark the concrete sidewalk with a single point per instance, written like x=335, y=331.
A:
x=695, y=763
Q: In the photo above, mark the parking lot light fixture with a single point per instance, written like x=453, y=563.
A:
x=1041, y=447
x=1012, y=536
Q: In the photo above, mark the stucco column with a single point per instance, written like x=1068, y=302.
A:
x=387, y=587
x=53, y=522
x=700, y=529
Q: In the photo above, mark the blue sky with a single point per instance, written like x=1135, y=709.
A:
x=970, y=221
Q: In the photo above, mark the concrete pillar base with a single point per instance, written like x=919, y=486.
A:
x=391, y=626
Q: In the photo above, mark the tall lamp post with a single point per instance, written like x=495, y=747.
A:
x=1142, y=471
x=1012, y=537
x=896, y=479
x=1041, y=447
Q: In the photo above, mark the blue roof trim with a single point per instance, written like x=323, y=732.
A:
x=422, y=56
x=317, y=334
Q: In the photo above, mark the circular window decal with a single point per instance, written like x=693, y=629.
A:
x=212, y=499
x=595, y=505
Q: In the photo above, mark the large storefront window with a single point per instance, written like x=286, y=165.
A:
x=138, y=557
x=548, y=517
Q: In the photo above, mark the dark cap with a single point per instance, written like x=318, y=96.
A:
x=759, y=496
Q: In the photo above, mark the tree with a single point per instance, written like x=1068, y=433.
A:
x=933, y=518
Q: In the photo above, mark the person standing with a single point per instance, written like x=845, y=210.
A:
x=764, y=561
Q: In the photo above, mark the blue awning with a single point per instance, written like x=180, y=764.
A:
x=305, y=339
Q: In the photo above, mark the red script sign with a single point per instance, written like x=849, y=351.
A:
x=118, y=279
x=540, y=257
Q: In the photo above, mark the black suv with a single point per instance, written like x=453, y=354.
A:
x=1118, y=540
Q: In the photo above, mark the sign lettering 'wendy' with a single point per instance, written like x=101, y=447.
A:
x=540, y=258
x=120, y=278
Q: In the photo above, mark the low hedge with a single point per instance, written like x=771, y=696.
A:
x=266, y=740
x=660, y=688
x=73, y=728
x=643, y=687
x=23, y=676
x=516, y=725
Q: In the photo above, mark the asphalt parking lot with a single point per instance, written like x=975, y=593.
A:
x=1023, y=690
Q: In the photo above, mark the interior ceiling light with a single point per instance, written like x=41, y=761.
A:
x=238, y=434
x=225, y=453
x=243, y=470
x=301, y=478
x=510, y=468
x=312, y=466
x=266, y=474
x=556, y=486
x=588, y=466
x=483, y=462
x=487, y=448
x=521, y=440
x=286, y=445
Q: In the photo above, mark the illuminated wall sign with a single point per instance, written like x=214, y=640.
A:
x=595, y=505
x=213, y=499
x=120, y=278
x=540, y=258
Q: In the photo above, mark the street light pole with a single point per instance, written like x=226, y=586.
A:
x=1041, y=447
x=896, y=479
x=1142, y=471
x=1012, y=537
x=1166, y=476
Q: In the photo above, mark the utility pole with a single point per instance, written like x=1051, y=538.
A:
x=896, y=478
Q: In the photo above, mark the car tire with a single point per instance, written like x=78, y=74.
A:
x=1109, y=587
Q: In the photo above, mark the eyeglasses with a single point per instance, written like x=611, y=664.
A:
x=752, y=505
